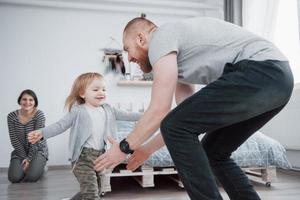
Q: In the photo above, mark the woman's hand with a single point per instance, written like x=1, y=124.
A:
x=34, y=136
x=25, y=165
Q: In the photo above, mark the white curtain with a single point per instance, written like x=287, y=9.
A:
x=259, y=16
x=277, y=21
x=233, y=11
x=298, y=5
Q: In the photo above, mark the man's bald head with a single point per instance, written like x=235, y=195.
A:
x=139, y=24
x=136, y=39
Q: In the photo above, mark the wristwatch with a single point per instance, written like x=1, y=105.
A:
x=124, y=147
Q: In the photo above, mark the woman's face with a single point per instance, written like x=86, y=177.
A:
x=27, y=102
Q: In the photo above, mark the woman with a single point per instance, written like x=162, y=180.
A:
x=27, y=161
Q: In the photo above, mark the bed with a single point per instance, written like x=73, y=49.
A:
x=259, y=157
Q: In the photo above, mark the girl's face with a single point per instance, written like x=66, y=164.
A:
x=27, y=103
x=95, y=93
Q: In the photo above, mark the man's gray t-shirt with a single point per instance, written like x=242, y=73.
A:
x=204, y=45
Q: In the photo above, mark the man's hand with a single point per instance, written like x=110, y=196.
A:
x=139, y=156
x=142, y=153
x=34, y=136
x=111, y=158
x=25, y=165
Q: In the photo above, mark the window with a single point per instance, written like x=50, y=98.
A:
x=286, y=34
x=277, y=21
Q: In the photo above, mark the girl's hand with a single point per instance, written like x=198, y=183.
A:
x=34, y=136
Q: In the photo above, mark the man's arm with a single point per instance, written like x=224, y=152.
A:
x=141, y=154
x=183, y=91
x=164, y=84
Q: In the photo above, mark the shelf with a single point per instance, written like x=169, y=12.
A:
x=134, y=83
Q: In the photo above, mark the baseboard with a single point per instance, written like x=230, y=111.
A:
x=3, y=169
x=68, y=167
x=293, y=156
x=59, y=167
x=297, y=169
x=52, y=167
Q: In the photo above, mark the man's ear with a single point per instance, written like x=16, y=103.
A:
x=141, y=39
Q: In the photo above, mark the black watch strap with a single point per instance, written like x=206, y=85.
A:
x=124, y=147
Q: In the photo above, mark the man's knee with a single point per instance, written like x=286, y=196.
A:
x=216, y=157
x=165, y=125
x=215, y=154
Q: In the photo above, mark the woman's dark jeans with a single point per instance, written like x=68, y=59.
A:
x=34, y=172
x=229, y=110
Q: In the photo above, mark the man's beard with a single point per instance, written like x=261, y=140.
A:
x=146, y=66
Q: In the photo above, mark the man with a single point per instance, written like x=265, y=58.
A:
x=248, y=81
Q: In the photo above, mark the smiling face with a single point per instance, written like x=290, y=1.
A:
x=27, y=103
x=95, y=93
x=136, y=37
x=137, y=48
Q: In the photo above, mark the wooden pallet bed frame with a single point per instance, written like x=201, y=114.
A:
x=145, y=175
x=266, y=175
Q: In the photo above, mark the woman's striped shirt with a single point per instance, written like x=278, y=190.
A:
x=18, y=135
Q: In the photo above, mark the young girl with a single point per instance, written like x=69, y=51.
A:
x=91, y=122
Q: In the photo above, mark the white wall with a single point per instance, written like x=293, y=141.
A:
x=45, y=45
x=285, y=126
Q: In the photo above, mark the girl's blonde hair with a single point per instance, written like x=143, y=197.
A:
x=79, y=87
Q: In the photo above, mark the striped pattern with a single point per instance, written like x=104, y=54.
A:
x=18, y=135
